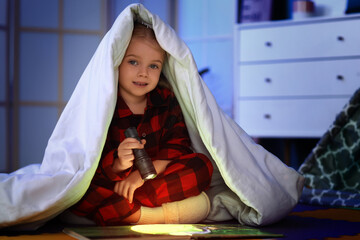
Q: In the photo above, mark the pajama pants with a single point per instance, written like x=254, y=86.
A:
x=182, y=178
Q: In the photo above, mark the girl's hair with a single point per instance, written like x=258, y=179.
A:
x=144, y=30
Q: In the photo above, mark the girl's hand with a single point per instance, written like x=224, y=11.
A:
x=127, y=187
x=125, y=154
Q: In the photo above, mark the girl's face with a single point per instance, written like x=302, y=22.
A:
x=140, y=69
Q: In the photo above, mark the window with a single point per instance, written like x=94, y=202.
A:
x=52, y=42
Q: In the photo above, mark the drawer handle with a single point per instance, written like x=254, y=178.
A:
x=340, y=38
x=267, y=116
x=268, y=80
x=268, y=44
x=340, y=77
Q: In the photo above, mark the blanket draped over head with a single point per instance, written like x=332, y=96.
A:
x=249, y=183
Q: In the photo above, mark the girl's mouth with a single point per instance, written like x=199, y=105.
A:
x=140, y=84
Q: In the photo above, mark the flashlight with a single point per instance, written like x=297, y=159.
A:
x=142, y=160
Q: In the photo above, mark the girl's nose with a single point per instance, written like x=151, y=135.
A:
x=143, y=72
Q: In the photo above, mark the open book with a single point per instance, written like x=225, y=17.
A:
x=169, y=231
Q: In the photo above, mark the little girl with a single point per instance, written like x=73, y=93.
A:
x=118, y=194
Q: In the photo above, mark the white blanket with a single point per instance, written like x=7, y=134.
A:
x=249, y=183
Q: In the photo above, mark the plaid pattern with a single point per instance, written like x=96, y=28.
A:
x=163, y=127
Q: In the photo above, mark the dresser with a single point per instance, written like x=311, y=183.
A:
x=291, y=78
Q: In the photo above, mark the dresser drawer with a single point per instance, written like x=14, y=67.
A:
x=288, y=118
x=337, y=77
x=299, y=41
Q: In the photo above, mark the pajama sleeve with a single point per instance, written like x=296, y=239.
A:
x=108, y=158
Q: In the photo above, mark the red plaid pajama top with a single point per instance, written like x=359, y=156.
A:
x=163, y=127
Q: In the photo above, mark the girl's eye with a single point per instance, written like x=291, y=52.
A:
x=133, y=62
x=154, y=66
